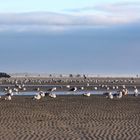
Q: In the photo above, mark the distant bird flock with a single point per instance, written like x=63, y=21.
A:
x=111, y=92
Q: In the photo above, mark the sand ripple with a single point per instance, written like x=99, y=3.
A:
x=70, y=118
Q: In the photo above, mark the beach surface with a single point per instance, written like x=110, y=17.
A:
x=70, y=118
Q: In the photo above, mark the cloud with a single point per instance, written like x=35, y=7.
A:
x=113, y=13
x=120, y=8
x=109, y=7
x=31, y=28
x=103, y=15
x=56, y=19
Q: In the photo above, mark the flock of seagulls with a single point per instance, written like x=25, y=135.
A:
x=42, y=94
x=120, y=91
x=9, y=92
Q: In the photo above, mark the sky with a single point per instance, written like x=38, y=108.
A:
x=82, y=36
x=47, y=5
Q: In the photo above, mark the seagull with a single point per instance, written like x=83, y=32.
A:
x=52, y=95
x=82, y=88
x=53, y=89
x=6, y=89
x=136, y=91
x=95, y=88
x=15, y=89
x=8, y=97
x=120, y=95
x=42, y=93
x=9, y=94
x=87, y=84
x=123, y=86
x=107, y=88
x=87, y=94
x=113, y=87
x=37, y=97
x=74, y=89
x=68, y=86
x=125, y=91
x=108, y=95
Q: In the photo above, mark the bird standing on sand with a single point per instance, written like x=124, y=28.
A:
x=37, y=97
x=117, y=87
x=16, y=90
x=42, y=93
x=53, y=89
x=38, y=89
x=108, y=88
x=87, y=84
x=95, y=88
x=23, y=87
x=123, y=86
x=52, y=95
x=6, y=89
x=108, y=95
x=113, y=87
x=87, y=94
x=124, y=91
x=8, y=95
x=68, y=86
x=120, y=94
x=136, y=91
x=74, y=89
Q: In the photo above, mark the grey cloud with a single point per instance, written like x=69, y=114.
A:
x=123, y=11
x=120, y=8
x=104, y=15
x=34, y=18
x=107, y=7
x=39, y=18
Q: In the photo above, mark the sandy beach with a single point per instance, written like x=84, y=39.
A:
x=70, y=118
x=69, y=70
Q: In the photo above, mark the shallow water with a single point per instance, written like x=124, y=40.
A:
x=65, y=92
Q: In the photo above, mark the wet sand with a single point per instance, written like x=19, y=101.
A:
x=70, y=118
